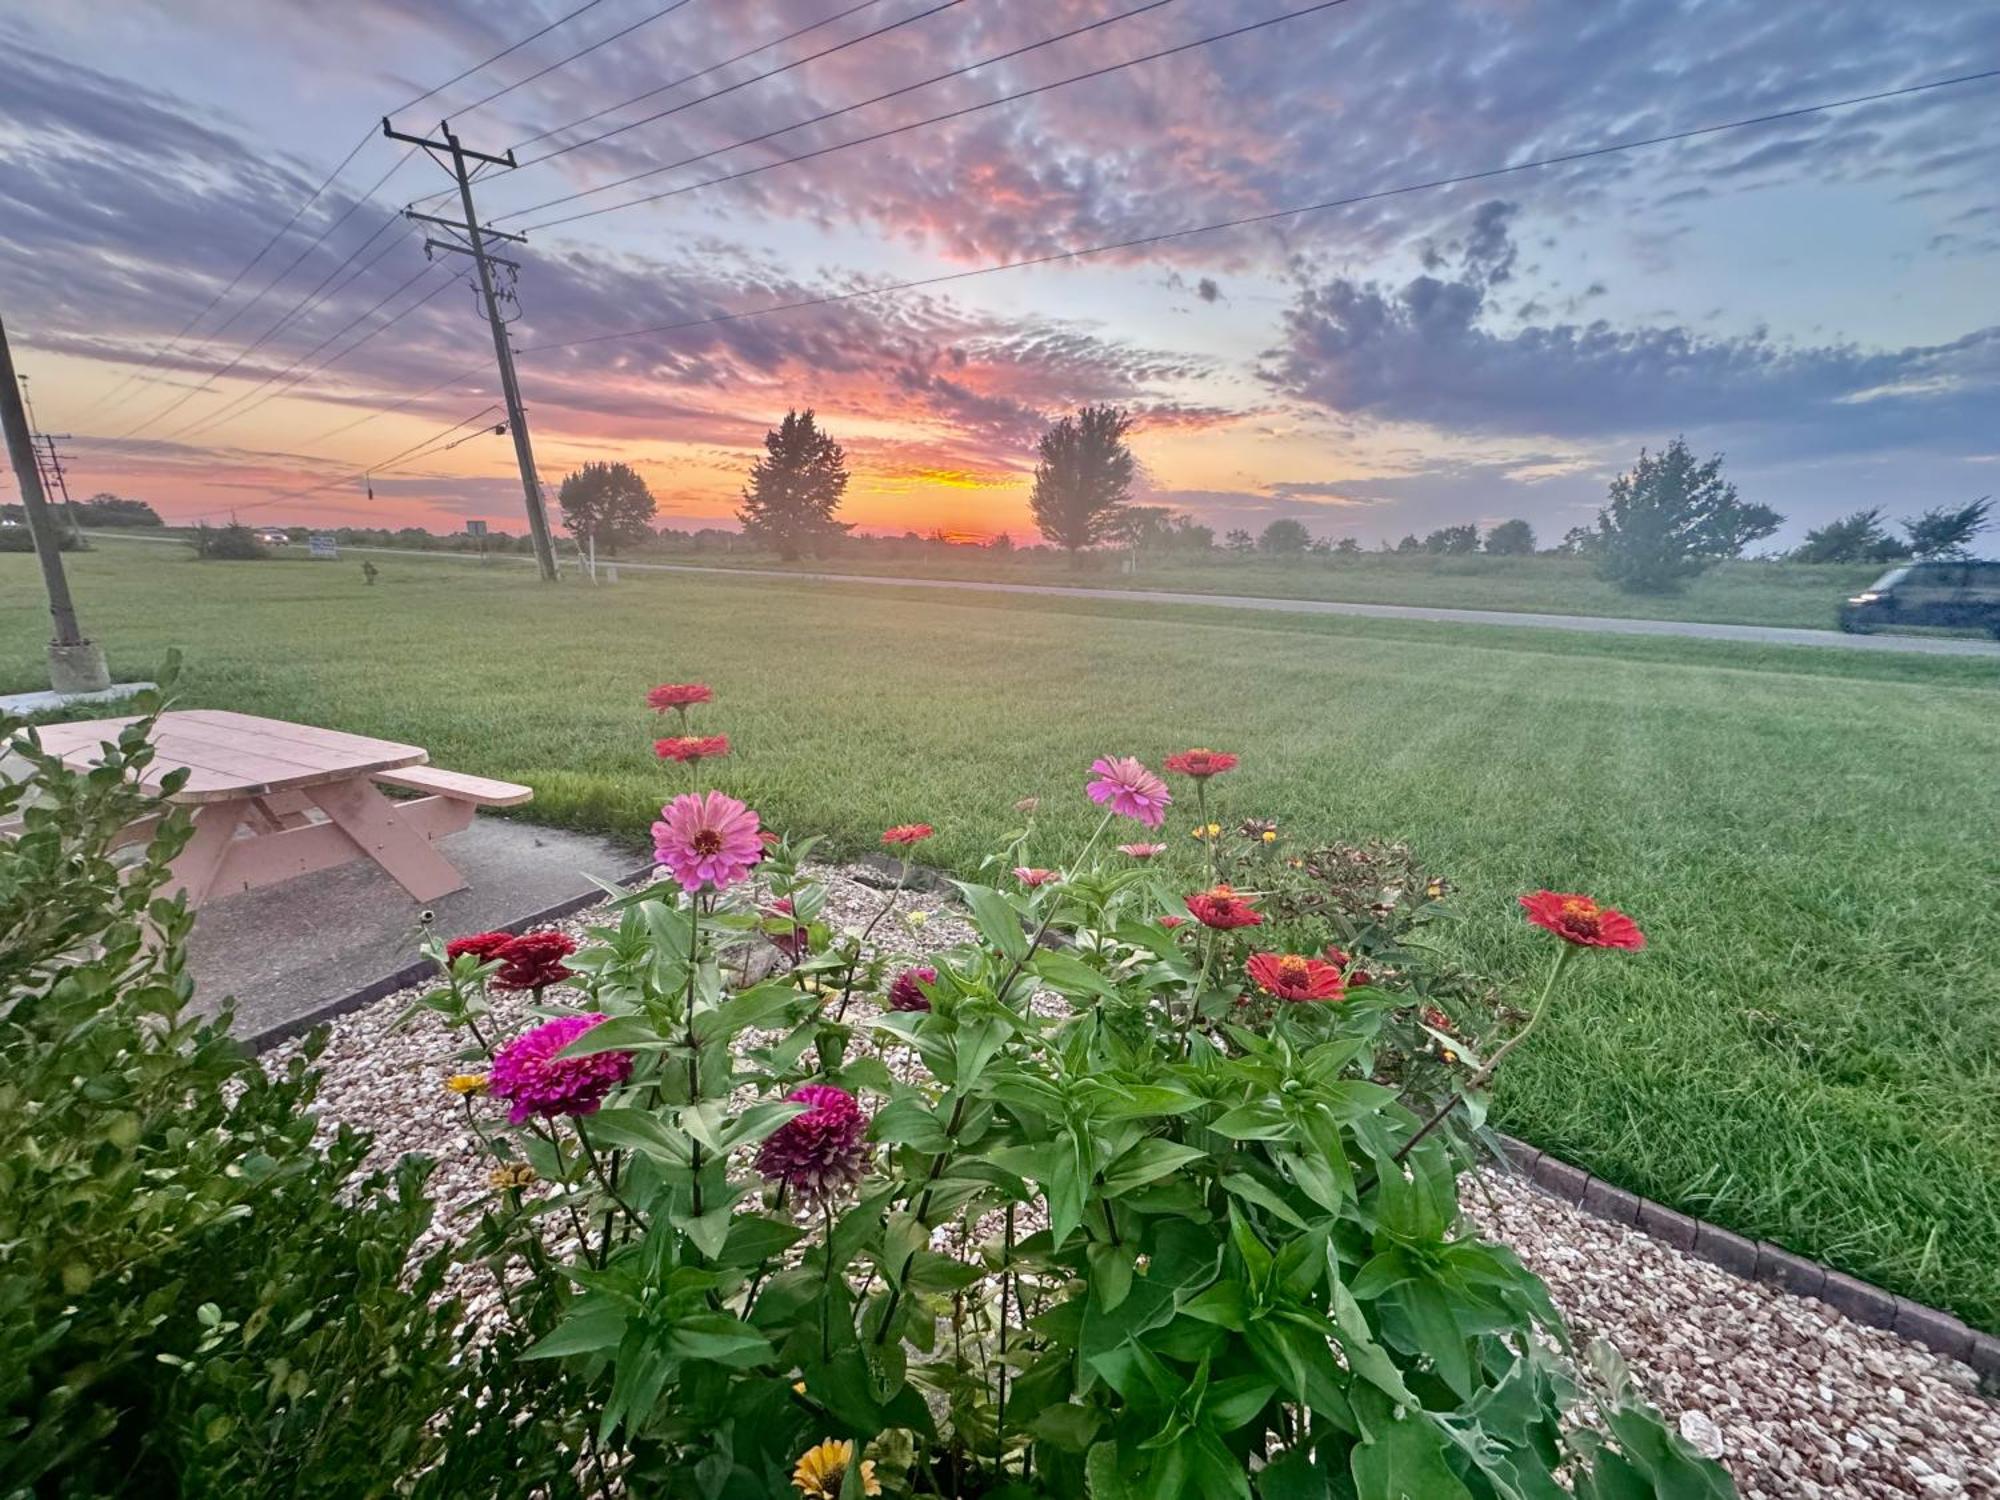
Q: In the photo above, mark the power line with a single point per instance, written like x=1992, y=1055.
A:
x=382, y=411
x=562, y=62
x=1140, y=242
x=954, y=114
x=382, y=465
x=745, y=83
x=821, y=118
x=431, y=93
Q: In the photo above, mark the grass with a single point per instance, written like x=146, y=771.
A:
x=1808, y=1051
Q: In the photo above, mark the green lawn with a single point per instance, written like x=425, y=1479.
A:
x=1809, y=1050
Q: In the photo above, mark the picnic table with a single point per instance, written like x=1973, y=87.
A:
x=273, y=800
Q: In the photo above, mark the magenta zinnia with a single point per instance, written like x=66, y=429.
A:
x=906, y=992
x=707, y=839
x=818, y=1153
x=1131, y=790
x=528, y=1073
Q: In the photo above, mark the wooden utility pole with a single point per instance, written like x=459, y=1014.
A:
x=55, y=480
x=472, y=241
x=76, y=664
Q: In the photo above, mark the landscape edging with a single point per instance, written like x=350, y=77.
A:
x=1753, y=1260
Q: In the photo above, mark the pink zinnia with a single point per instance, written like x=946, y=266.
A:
x=679, y=695
x=906, y=992
x=1033, y=878
x=528, y=1073
x=818, y=1153
x=707, y=838
x=1130, y=789
x=1142, y=851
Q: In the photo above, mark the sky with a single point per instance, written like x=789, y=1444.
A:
x=1818, y=298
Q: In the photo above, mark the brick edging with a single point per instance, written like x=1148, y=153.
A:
x=1762, y=1261
x=1754, y=1260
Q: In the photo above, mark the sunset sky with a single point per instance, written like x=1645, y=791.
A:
x=1818, y=298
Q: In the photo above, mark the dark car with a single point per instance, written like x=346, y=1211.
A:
x=1962, y=595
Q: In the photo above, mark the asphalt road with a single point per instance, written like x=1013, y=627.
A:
x=1761, y=635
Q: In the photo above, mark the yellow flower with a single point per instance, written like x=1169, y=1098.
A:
x=1206, y=830
x=516, y=1174
x=466, y=1083
x=821, y=1470
x=1270, y=835
x=916, y=918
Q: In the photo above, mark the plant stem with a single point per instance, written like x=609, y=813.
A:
x=609, y=1181
x=1000, y=1409
x=847, y=983
x=826, y=1287
x=694, y=1046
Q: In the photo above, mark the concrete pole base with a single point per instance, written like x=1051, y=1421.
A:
x=78, y=669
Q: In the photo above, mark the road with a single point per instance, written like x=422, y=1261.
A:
x=1758, y=635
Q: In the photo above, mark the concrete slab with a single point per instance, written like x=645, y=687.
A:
x=45, y=701
x=286, y=950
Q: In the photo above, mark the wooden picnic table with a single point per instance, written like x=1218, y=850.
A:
x=273, y=800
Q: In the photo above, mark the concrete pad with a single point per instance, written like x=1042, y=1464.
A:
x=287, y=950
x=47, y=700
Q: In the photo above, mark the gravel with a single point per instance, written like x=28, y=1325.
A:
x=1799, y=1402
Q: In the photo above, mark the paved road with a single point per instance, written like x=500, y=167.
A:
x=1761, y=635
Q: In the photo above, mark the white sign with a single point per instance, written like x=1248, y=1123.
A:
x=320, y=547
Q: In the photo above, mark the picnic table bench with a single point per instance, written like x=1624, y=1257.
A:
x=273, y=800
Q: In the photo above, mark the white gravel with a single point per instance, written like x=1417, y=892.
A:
x=1798, y=1401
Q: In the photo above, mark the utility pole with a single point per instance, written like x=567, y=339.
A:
x=76, y=664
x=53, y=475
x=472, y=242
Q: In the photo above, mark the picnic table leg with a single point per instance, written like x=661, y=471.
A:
x=369, y=818
x=196, y=866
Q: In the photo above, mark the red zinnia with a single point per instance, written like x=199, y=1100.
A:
x=534, y=961
x=908, y=833
x=486, y=945
x=822, y=1151
x=1170, y=923
x=1292, y=976
x=1222, y=909
x=1340, y=958
x=1580, y=920
x=794, y=942
x=907, y=990
x=688, y=748
x=679, y=695
x=1200, y=764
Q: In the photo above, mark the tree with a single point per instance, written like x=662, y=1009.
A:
x=1946, y=532
x=1410, y=544
x=1284, y=537
x=1001, y=543
x=607, y=502
x=1578, y=541
x=1238, y=540
x=1189, y=535
x=795, y=488
x=1146, y=528
x=1669, y=518
x=1511, y=539
x=1453, y=541
x=115, y=510
x=1083, y=478
x=1738, y=527
x=1347, y=546
x=1857, y=537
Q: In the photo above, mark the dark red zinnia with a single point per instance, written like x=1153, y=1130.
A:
x=534, y=961
x=679, y=695
x=1580, y=920
x=1293, y=976
x=794, y=943
x=486, y=945
x=688, y=748
x=1221, y=908
x=906, y=991
x=1170, y=923
x=1200, y=764
x=1341, y=959
x=820, y=1152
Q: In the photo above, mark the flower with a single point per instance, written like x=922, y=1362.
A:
x=1341, y=959
x=707, y=839
x=463, y=1084
x=1170, y=922
x=486, y=945
x=1437, y=888
x=1033, y=878
x=916, y=918
x=1130, y=789
x=529, y=1074
x=908, y=833
x=1206, y=831
x=1142, y=851
x=1437, y=1020
x=1260, y=828
x=1221, y=908
x=1292, y=976
x=534, y=961
x=1200, y=764
x=1580, y=920
x=818, y=1153
x=679, y=695
x=1028, y=805
x=797, y=941
x=906, y=990
x=689, y=748
x=823, y=1470
x=516, y=1175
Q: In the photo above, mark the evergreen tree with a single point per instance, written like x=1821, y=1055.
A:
x=1083, y=478
x=1947, y=531
x=795, y=488
x=1670, y=518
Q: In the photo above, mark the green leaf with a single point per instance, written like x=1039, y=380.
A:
x=710, y=1232
x=1248, y=1188
x=758, y=1121
x=637, y=1130
x=758, y=1007
x=1110, y=1273
x=1146, y=1162
x=1232, y=1402
x=1068, y=975
x=755, y=1238
x=996, y=919
x=1252, y=1122
x=586, y=1329
x=619, y=1034
x=1401, y=1458
x=721, y=1339
x=910, y=1121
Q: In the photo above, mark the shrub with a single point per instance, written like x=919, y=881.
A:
x=1156, y=1208
x=20, y=539
x=194, y=1298
x=232, y=543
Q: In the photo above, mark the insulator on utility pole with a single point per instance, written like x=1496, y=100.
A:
x=452, y=155
x=76, y=664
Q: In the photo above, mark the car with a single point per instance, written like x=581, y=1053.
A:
x=1962, y=595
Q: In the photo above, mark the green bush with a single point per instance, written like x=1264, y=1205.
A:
x=232, y=543
x=194, y=1298
x=18, y=539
